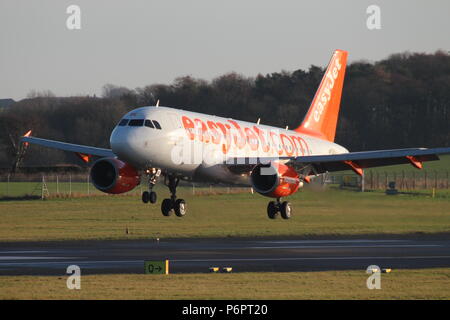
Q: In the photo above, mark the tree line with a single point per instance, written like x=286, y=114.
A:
x=398, y=102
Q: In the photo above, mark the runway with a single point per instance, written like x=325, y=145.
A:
x=243, y=255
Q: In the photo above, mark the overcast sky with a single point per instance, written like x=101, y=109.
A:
x=139, y=42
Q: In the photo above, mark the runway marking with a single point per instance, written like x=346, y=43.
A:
x=32, y=258
x=311, y=258
x=224, y=259
x=362, y=246
x=110, y=264
x=24, y=251
x=331, y=241
x=69, y=262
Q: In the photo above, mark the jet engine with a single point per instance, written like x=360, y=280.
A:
x=111, y=175
x=275, y=180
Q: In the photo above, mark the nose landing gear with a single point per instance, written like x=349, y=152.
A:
x=150, y=195
x=275, y=207
x=173, y=204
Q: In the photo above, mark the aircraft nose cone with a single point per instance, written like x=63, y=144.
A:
x=124, y=143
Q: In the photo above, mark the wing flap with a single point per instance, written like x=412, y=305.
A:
x=328, y=165
x=355, y=161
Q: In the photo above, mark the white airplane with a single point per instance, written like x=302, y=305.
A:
x=176, y=144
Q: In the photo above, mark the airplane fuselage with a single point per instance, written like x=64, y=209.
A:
x=197, y=145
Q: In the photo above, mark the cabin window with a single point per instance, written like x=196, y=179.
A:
x=136, y=123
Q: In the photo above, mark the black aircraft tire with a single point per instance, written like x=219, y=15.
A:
x=180, y=208
x=272, y=210
x=286, y=210
x=152, y=197
x=166, y=207
x=145, y=197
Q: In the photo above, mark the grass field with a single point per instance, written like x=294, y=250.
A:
x=316, y=213
x=17, y=189
x=400, y=284
x=64, y=188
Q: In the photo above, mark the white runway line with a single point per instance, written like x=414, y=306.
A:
x=361, y=246
x=138, y=262
x=331, y=241
x=32, y=258
x=77, y=262
x=24, y=251
x=312, y=258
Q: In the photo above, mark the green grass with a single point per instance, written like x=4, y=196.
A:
x=440, y=167
x=316, y=213
x=16, y=189
x=400, y=284
x=65, y=189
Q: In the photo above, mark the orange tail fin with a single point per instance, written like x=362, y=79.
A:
x=322, y=116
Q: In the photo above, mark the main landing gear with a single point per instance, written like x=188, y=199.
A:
x=150, y=195
x=275, y=207
x=173, y=204
x=168, y=205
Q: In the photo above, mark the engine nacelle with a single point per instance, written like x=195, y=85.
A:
x=275, y=180
x=111, y=175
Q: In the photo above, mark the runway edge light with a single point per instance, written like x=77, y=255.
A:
x=214, y=269
x=373, y=270
x=227, y=269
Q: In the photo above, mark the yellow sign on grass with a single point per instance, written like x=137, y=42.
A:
x=156, y=267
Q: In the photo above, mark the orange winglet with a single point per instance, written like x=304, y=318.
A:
x=85, y=157
x=355, y=167
x=415, y=162
x=27, y=135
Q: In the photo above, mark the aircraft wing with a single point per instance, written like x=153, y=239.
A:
x=78, y=149
x=355, y=161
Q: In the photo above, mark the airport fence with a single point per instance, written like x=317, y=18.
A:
x=66, y=185
x=48, y=185
x=401, y=180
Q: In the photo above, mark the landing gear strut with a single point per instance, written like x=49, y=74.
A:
x=275, y=207
x=150, y=195
x=173, y=204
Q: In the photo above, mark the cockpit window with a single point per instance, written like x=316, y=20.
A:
x=152, y=124
x=136, y=123
x=123, y=122
x=157, y=125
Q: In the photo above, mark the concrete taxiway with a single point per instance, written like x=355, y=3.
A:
x=243, y=255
